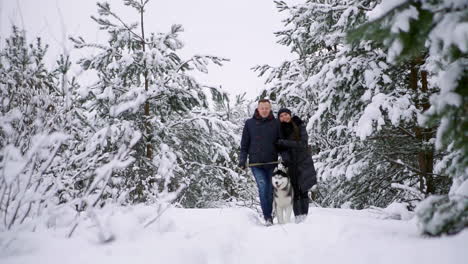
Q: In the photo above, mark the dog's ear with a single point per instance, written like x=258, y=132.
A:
x=281, y=166
x=281, y=172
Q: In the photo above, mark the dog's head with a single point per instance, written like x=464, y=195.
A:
x=280, y=177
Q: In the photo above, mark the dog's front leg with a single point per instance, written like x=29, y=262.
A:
x=280, y=213
x=287, y=215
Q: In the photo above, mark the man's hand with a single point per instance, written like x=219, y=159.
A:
x=241, y=165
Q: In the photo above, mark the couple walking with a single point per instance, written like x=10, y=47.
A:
x=263, y=138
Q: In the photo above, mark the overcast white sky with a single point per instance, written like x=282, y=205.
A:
x=241, y=30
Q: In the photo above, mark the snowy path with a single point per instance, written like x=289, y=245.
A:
x=234, y=236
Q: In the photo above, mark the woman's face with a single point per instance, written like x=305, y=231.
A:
x=285, y=117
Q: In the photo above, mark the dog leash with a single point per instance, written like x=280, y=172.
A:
x=265, y=163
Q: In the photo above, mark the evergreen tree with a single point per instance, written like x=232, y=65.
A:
x=145, y=88
x=361, y=111
x=30, y=138
x=416, y=31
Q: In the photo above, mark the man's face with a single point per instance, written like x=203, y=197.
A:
x=285, y=117
x=264, y=109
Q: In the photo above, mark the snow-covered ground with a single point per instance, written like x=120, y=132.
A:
x=235, y=235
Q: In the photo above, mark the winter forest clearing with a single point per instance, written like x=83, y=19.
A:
x=114, y=150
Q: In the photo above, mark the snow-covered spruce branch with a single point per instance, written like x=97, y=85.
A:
x=20, y=190
x=282, y=6
x=200, y=62
x=209, y=165
x=81, y=43
x=407, y=132
x=105, y=11
x=44, y=166
x=164, y=204
x=190, y=120
x=412, y=191
x=82, y=119
x=411, y=168
x=93, y=193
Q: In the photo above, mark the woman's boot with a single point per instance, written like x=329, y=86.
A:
x=297, y=206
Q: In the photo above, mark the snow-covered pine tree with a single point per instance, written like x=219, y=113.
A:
x=360, y=109
x=30, y=135
x=145, y=89
x=225, y=184
x=430, y=35
x=205, y=142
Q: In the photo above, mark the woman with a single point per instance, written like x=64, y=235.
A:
x=293, y=147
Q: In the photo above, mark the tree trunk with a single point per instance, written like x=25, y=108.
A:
x=427, y=135
x=148, y=132
x=425, y=156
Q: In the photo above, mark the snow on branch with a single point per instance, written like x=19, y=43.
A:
x=415, y=192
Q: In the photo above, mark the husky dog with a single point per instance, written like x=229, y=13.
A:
x=283, y=194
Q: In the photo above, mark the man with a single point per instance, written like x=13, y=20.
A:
x=258, y=143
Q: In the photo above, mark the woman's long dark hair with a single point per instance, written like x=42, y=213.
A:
x=295, y=130
x=297, y=133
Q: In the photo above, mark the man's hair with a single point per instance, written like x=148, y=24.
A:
x=264, y=101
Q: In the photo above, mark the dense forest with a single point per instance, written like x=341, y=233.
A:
x=382, y=86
